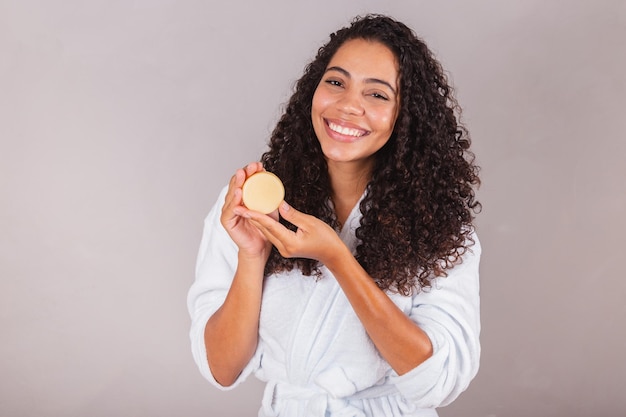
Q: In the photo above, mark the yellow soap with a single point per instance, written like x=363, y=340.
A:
x=263, y=192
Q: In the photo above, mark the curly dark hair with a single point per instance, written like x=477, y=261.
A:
x=420, y=201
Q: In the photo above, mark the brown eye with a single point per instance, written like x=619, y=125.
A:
x=334, y=83
x=380, y=96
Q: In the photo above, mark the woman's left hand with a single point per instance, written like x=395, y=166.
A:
x=313, y=239
x=398, y=338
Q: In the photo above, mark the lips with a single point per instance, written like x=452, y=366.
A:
x=344, y=132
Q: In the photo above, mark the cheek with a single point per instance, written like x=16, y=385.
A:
x=319, y=102
x=392, y=116
x=316, y=111
x=314, y=105
x=386, y=120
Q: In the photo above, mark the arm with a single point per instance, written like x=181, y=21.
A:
x=402, y=343
x=230, y=333
x=433, y=345
x=450, y=314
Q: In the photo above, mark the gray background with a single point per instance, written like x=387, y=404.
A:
x=121, y=120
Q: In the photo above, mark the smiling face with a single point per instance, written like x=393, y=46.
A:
x=356, y=103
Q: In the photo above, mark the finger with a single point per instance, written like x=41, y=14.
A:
x=233, y=200
x=274, y=215
x=230, y=211
x=236, y=199
x=292, y=215
x=235, y=184
x=240, y=177
x=236, y=181
x=253, y=168
x=274, y=231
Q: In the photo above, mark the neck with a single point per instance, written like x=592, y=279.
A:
x=348, y=182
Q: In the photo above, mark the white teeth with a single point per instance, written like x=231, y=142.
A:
x=346, y=130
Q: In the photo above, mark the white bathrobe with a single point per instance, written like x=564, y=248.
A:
x=313, y=351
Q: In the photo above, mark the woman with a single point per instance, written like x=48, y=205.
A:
x=359, y=296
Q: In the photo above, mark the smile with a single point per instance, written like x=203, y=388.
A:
x=346, y=131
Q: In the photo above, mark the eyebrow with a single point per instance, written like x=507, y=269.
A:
x=367, y=80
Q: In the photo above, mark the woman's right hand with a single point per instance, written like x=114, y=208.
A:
x=246, y=236
x=231, y=334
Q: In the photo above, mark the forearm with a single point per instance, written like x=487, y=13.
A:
x=231, y=334
x=398, y=339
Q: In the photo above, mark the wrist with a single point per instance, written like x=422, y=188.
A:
x=337, y=256
x=253, y=259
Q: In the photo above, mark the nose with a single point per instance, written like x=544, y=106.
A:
x=350, y=103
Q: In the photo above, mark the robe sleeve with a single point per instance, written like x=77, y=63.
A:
x=215, y=269
x=449, y=313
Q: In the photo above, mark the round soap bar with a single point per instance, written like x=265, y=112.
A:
x=263, y=192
